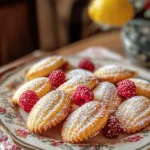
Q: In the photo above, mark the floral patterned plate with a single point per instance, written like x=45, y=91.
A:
x=13, y=118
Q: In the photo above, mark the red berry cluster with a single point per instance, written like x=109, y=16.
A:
x=126, y=89
x=27, y=100
x=87, y=64
x=57, y=78
x=112, y=128
x=82, y=95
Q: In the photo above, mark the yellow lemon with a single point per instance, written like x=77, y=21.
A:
x=112, y=12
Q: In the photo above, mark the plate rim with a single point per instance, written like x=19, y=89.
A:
x=8, y=132
x=16, y=140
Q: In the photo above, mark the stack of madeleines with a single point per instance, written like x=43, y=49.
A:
x=108, y=99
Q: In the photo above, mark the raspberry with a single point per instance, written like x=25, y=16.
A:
x=87, y=64
x=27, y=100
x=126, y=88
x=112, y=128
x=82, y=95
x=57, y=78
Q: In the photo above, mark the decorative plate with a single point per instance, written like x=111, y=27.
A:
x=13, y=118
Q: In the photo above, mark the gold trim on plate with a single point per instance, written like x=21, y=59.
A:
x=16, y=140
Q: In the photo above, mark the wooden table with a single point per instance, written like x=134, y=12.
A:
x=110, y=40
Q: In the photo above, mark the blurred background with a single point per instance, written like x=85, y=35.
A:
x=27, y=25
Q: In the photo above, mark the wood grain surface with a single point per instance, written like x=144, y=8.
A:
x=110, y=40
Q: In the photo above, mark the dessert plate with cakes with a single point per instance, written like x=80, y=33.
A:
x=66, y=102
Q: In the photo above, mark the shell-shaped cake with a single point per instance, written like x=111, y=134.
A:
x=106, y=92
x=49, y=111
x=142, y=87
x=134, y=114
x=44, y=67
x=85, y=122
x=71, y=85
x=113, y=73
x=40, y=86
x=77, y=72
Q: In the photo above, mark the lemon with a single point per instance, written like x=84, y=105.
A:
x=112, y=12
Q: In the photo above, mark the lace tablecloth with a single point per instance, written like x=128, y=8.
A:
x=93, y=52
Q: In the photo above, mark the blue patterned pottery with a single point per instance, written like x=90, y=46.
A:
x=136, y=41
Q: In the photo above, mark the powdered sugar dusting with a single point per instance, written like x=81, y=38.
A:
x=143, y=84
x=71, y=85
x=141, y=123
x=107, y=93
x=50, y=110
x=77, y=72
x=35, y=85
x=38, y=111
x=113, y=69
x=82, y=118
x=45, y=63
x=133, y=112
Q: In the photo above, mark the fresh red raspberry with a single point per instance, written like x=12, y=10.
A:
x=126, y=88
x=112, y=128
x=27, y=100
x=82, y=95
x=87, y=64
x=57, y=78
